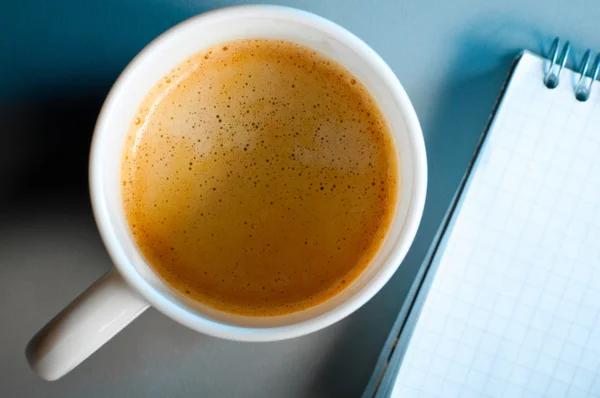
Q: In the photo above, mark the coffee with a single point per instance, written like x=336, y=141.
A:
x=259, y=177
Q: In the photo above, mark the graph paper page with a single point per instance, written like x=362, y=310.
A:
x=514, y=306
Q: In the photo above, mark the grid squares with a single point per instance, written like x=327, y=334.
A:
x=514, y=307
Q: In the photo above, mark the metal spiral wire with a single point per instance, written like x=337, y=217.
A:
x=552, y=78
x=584, y=85
x=558, y=58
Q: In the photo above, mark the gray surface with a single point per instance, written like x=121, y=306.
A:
x=58, y=62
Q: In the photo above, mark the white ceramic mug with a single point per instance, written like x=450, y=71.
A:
x=131, y=287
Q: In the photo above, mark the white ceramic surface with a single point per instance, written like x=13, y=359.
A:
x=114, y=301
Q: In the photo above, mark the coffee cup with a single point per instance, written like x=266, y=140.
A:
x=132, y=286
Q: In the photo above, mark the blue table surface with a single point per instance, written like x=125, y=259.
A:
x=58, y=61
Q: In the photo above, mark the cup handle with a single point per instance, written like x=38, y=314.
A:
x=85, y=325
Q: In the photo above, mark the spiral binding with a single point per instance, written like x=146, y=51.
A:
x=558, y=58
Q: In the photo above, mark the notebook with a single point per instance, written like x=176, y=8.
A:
x=508, y=302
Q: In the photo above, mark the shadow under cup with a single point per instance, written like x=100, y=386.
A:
x=264, y=22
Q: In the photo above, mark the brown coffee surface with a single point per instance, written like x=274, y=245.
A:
x=259, y=177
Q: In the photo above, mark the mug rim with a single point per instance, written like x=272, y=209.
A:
x=198, y=321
